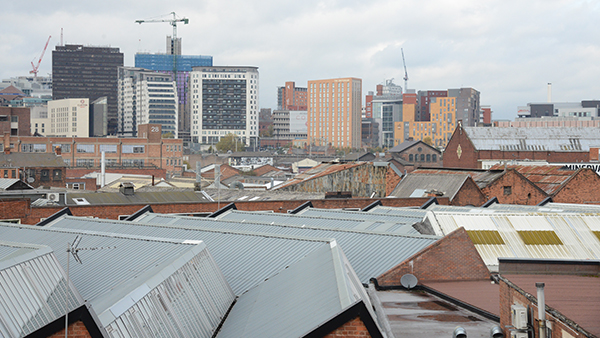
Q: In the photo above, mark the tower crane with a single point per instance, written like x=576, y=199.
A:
x=173, y=23
x=405, y=72
x=34, y=71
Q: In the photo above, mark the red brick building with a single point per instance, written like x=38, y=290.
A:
x=291, y=97
x=468, y=146
x=15, y=121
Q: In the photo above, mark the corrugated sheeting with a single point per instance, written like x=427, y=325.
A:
x=402, y=212
x=299, y=299
x=33, y=289
x=371, y=254
x=532, y=139
x=246, y=259
x=120, y=272
x=549, y=207
x=481, y=177
x=548, y=236
x=416, y=185
x=6, y=183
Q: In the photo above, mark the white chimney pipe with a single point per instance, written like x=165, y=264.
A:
x=541, y=308
x=549, y=92
x=103, y=170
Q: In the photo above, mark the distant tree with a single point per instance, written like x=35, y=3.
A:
x=230, y=142
x=427, y=139
x=267, y=132
x=210, y=150
x=168, y=135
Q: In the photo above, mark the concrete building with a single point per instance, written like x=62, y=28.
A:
x=224, y=100
x=583, y=109
x=87, y=72
x=146, y=97
x=66, y=118
x=290, y=124
x=99, y=117
x=165, y=63
x=32, y=86
x=334, y=112
x=467, y=105
x=291, y=97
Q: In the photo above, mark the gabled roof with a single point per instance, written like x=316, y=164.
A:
x=409, y=144
x=33, y=292
x=265, y=169
x=549, y=178
x=419, y=185
x=31, y=160
x=482, y=177
x=306, y=295
x=13, y=184
x=534, y=139
x=119, y=273
x=227, y=171
x=11, y=92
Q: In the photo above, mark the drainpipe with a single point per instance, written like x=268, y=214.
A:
x=103, y=170
x=541, y=309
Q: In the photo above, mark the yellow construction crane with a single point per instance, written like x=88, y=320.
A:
x=173, y=23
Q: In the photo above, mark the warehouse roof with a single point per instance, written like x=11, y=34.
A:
x=532, y=139
x=300, y=299
x=422, y=185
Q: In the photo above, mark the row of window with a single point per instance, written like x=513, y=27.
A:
x=422, y=158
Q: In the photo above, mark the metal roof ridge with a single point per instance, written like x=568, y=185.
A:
x=353, y=212
x=37, y=250
x=323, y=228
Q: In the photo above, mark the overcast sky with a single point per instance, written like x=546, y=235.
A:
x=508, y=50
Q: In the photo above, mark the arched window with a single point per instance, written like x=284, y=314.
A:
x=434, y=158
x=410, y=157
x=422, y=157
x=428, y=158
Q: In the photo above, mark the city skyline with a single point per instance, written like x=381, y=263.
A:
x=508, y=51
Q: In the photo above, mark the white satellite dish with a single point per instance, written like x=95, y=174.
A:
x=30, y=179
x=409, y=281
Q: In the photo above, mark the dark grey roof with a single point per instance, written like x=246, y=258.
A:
x=532, y=139
x=13, y=184
x=139, y=197
x=300, y=298
x=403, y=146
x=31, y=160
x=416, y=185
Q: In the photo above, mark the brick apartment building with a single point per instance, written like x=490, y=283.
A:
x=15, y=121
x=148, y=150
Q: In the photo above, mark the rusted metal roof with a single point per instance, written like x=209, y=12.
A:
x=321, y=170
x=482, y=177
x=547, y=177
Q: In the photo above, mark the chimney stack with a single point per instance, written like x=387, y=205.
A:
x=541, y=300
x=58, y=150
x=549, y=92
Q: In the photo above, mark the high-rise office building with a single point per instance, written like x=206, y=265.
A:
x=146, y=97
x=165, y=63
x=291, y=97
x=334, y=112
x=224, y=100
x=87, y=72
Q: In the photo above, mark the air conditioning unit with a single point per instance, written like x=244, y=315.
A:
x=53, y=196
x=519, y=316
x=515, y=334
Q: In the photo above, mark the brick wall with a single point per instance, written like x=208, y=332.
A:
x=391, y=180
x=353, y=328
x=451, y=258
x=468, y=154
x=582, y=188
x=469, y=194
x=11, y=209
x=76, y=330
x=522, y=190
x=509, y=295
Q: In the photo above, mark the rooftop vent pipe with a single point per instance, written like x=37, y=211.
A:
x=459, y=332
x=541, y=308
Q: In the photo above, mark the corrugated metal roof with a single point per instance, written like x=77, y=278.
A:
x=33, y=290
x=348, y=220
x=299, y=299
x=123, y=272
x=403, y=212
x=246, y=259
x=482, y=177
x=370, y=253
x=320, y=170
x=100, y=198
x=7, y=183
x=526, y=235
x=532, y=139
x=448, y=185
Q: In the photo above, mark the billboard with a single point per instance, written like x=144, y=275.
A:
x=298, y=121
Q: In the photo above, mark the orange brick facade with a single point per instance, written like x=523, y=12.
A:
x=76, y=330
x=452, y=258
x=353, y=328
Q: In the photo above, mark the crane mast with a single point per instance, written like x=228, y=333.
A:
x=34, y=71
x=405, y=71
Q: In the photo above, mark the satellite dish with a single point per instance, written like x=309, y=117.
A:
x=30, y=179
x=237, y=185
x=409, y=281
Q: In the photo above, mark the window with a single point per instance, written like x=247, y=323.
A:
x=57, y=174
x=33, y=148
x=410, y=158
x=85, y=162
x=132, y=149
x=428, y=157
x=14, y=118
x=85, y=148
x=507, y=190
x=13, y=173
x=5, y=174
x=64, y=147
x=434, y=158
x=45, y=176
x=422, y=157
x=132, y=163
x=108, y=148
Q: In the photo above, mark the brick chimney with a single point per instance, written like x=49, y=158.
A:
x=58, y=150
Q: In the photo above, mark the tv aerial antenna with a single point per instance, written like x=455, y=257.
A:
x=73, y=250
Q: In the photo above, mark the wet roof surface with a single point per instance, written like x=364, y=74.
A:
x=482, y=294
x=418, y=314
